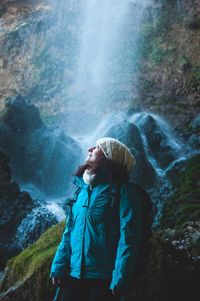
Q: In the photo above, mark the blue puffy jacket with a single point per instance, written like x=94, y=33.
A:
x=103, y=238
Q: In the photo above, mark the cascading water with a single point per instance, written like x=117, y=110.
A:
x=102, y=63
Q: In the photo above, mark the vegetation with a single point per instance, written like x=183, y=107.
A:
x=193, y=80
x=183, y=206
x=31, y=268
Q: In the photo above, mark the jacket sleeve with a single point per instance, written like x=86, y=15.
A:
x=129, y=240
x=61, y=261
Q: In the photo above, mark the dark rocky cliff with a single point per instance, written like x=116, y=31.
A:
x=14, y=206
x=169, y=58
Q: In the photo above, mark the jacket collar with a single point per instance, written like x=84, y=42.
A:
x=78, y=181
x=101, y=177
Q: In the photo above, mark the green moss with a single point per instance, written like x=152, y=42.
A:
x=171, y=100
x=183, y=205
x=196, y=72
x=184, y=63
x=160, y=53
x=193, y=80
x=157, y=54
x=36, y=259
x=191, y=211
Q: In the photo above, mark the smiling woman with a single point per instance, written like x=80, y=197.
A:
x=96, y=257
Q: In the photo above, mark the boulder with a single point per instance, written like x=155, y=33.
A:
x=128, y=133
x=33, y=225
x=21, y=118
x=46, y=158
x=160, y=144
x=50, y=160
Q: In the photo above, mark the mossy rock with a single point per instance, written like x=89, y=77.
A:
x=27, y=275
x=184, y=206
x=184, y=63
x=171, y=273
x=193, y=80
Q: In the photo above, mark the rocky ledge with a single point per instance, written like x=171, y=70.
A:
x=14, y=206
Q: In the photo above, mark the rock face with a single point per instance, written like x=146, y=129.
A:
x=14, y=205
x=38, y=155
x=33, y=62
x=168, y=55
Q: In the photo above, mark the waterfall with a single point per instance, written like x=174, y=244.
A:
x=99, y=53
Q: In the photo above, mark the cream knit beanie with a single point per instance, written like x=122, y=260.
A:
x=118, y=152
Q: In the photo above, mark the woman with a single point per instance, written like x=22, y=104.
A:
x=96, y=257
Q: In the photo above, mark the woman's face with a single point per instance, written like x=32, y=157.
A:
x=93, y=154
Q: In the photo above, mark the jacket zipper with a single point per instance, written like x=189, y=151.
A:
x=86, y=207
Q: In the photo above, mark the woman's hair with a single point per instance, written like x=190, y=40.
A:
x=116, y=173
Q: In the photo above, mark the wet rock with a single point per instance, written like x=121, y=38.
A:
x=22, y=119
x=194, y=141
x=158, y=141
x=143, y=173
x=195, y=124
x=46, y=158
x=14, y=206
x=6, y=137
x=35, y=223
x=174, y=170
x=51, y=159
